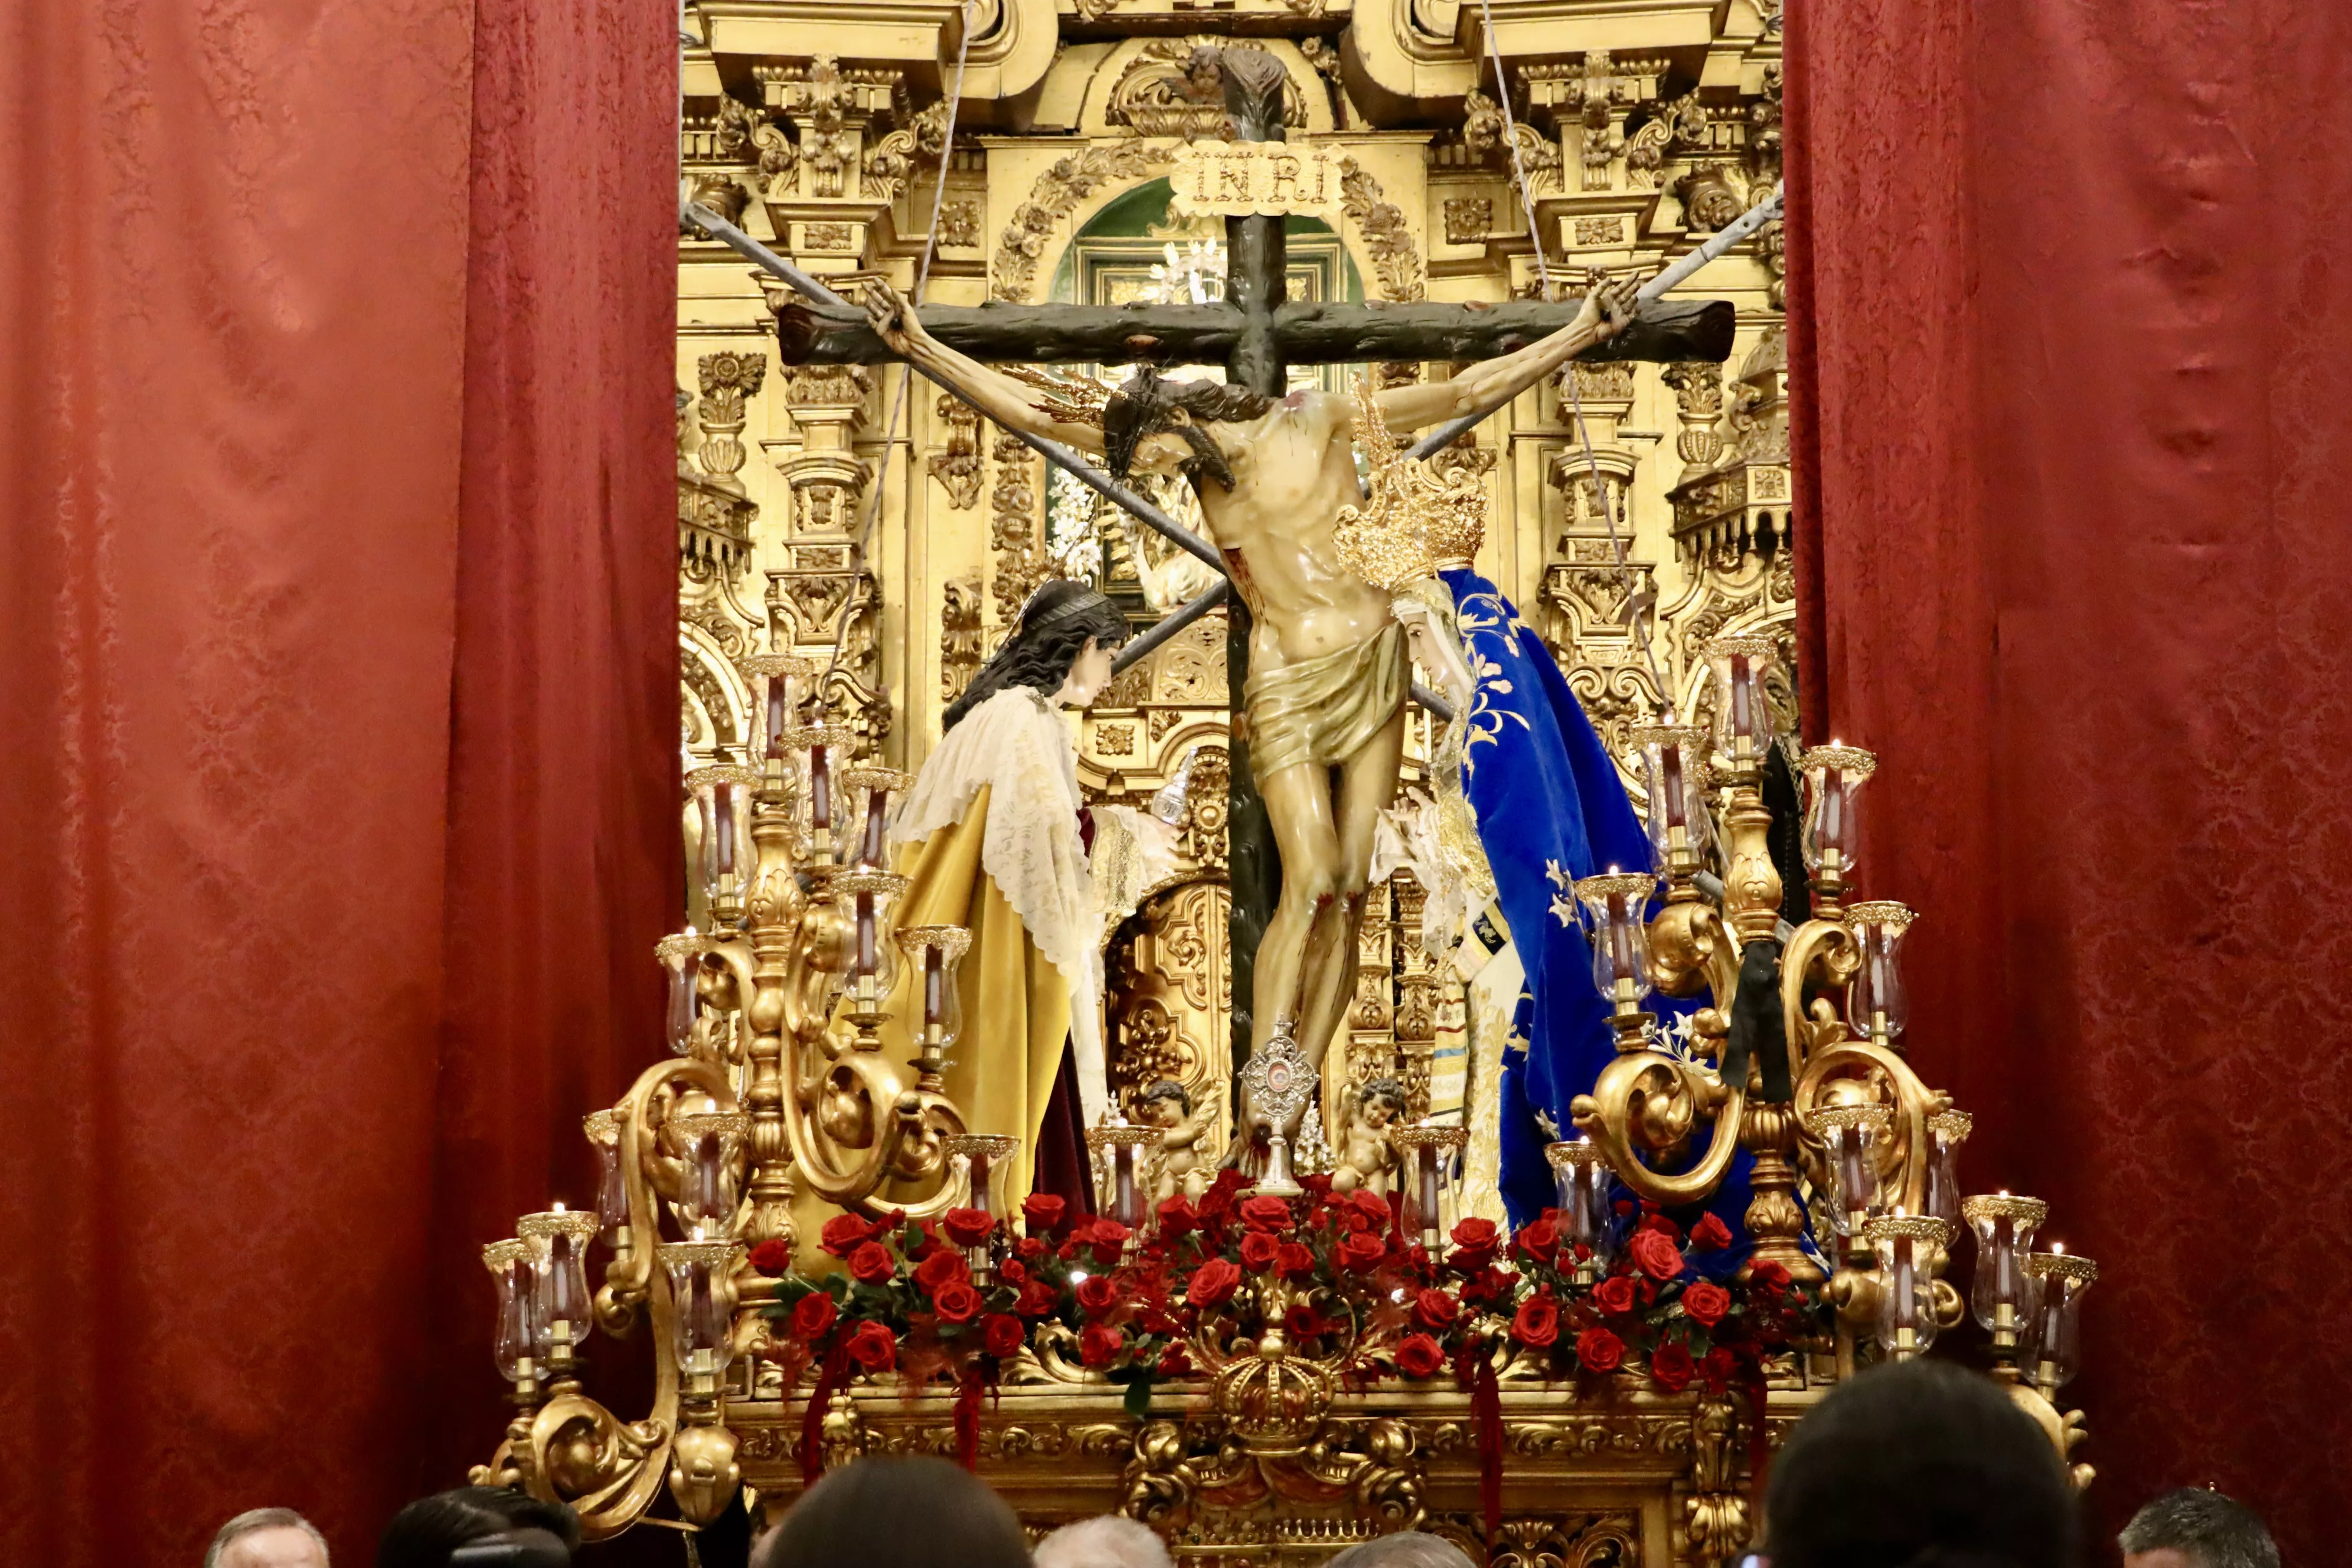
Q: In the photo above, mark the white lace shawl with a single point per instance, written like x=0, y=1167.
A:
x=1019, y=744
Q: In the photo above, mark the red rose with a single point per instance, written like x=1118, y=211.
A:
x=1541, y=1239
x=1435, y=1309
x=1295, y=1259
x=1013, y=1271
x=1041, y=1212
x=1476, y=1242
x=1038, y=1300
x=1615, y=1294
x=956, y=1302
x=1597, y=1350
x=1717, y=1368
x=1004, y=1336
x=1710, y=1234
x=1259, y=1252
x=1304, y=1322
x=1030, y=1248
x=813, y=1314
x=1101, y=1344
x=1179, y=1217
x=969, y=1227
x=1362, y=1251
x=873, y=1346
x=1373, y=1206
x=1417, y=1356
x=1266, y=1213
x=1670, y=1366
x=771, y=1257
x=1654, y=1220
x=1213, y=1283
x=843, y=1234
x=1655, y=1255
x=1768, y=1275
x=941, y=1267
x=872, y=1264
x=1537, y=1322
x=1097, y=1294
x=1705, y=1304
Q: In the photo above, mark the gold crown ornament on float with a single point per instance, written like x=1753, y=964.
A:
x=1192, y=1360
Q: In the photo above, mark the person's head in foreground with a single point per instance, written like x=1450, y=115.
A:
x=2195, y=1528
x=1111, y=1541
x=267, y=1538
x=1405, y=1548
x=486, y=1526
x=1923, y=1465
x=911, y=1512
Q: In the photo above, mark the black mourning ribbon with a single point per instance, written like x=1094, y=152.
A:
x=1756, y=1027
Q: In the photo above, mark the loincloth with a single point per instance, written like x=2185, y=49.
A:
x=1324, y=710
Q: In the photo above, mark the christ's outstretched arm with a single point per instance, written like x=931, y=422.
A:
x=993, y=393
x=1490, y=384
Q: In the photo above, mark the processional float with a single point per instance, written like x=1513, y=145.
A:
x=822, y=1254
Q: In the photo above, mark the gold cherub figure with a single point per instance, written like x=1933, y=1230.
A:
x=1176, y=1162
x=1367, y=1158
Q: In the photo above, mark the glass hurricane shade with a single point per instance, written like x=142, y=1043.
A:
x=2059, y=1279
x=1833, y=775
x=1118, y=1150
x=937, y=954
x=873, y=958
x=603, y=1128
x=1851, y=1136
x=1945, y=1133
x=1906, y=1245
x=702, y=1327
x=816, y=757
x=1999, y=1290
x=1426, y=1154
x=1587, y=1220
x=1743, y=717
x=723, y=795
x=512, y=1338
x=563, y=1305
x=681, y=959
x=707, y=1145
x=1673, y=767
x=867, y=792
x=1877, y=1002
x=1616, y=906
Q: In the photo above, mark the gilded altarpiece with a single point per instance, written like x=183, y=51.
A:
x=838, y=512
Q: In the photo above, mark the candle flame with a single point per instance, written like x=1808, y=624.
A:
x=1077, y=1276
x=559, y=1206
x=2058, y=1249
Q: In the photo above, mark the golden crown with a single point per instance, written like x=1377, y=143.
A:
x=1413, y=524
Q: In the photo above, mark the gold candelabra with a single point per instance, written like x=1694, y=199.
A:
x=779, y=1084
x=1817, y=1094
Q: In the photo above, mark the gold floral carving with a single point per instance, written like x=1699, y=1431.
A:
x=1154, y=95
x=1468, y=219
x=957, y=464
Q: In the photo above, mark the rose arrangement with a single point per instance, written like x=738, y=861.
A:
x=1346, y=1283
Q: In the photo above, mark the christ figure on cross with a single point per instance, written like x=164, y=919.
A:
x=1328, y=667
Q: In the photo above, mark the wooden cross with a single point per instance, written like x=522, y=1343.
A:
x=1258, y=336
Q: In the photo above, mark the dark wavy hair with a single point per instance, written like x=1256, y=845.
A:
x=1148, y=403
x=427, y=1531
x=1054, y=625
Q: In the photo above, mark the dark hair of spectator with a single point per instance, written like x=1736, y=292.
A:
x=2209, y=1530
x=1922, y=1465
x=897, y=1512
x=426, y=1531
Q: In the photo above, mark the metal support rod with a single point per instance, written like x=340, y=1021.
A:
x=1054, y=452
x=1748, y=223
x=1175, y=621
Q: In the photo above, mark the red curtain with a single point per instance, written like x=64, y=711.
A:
x=2072, y=342
x=337, y=770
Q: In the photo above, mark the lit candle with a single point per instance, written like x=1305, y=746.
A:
x=820, y=789
x=877, y=814
x=867, y=958
x=1670, y=757
x=779, y=712
x=1425, y=1157
x=723, y=804
x=1853, y=1174
x=1122, y=1167
x=935, y=998
x=1832, y=826
x=1906, y=1300
x=1742, y=720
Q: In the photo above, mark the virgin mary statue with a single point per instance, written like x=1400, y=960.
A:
x=994, y=836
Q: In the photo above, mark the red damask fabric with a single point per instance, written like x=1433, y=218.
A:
x=337, y=741
x=2071, y=339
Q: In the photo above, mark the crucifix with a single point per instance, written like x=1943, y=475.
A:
x=1315, y=657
